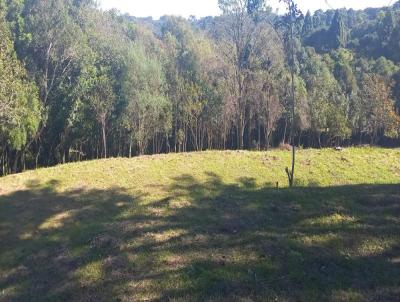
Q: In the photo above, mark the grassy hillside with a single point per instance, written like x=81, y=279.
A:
x=205, y=227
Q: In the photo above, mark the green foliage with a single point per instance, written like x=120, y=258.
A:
x=338, y=31
x=100, y=95
x=20, y=110
x=79, y=83
x=308, y=25
x=378, y=106
x=147, y=112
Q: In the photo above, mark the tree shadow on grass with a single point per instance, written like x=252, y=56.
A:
x=47, y=237
x=202, y=241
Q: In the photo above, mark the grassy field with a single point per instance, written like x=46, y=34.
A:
x=206, y=226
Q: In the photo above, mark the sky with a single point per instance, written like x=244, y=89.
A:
x=202, y=8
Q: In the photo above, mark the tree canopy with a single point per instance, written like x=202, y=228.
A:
x=79, y=83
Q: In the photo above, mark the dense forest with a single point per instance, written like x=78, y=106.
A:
x=78, y=83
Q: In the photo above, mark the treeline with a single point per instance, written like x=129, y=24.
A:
x=78, y=83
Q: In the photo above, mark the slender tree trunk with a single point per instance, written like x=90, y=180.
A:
x=37, y=158
x=23, y=164
x=241, y=133
x=103, y=131
x=224, y=137
x=5, y=162
x=15, y=165
x=284, y=132
x=266, y=136
x=3, y=165
x=167, y=142
x=175, y=133
x=249, y=137
x=291, y=173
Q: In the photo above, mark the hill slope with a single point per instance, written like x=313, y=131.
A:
x=204, y=226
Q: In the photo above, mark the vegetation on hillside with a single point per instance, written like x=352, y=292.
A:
x=208, y=226
x=78, y=83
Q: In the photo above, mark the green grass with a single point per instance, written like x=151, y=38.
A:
x=206, y=226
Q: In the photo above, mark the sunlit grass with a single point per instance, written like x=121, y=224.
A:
x=208, y=226
x=324, y=167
